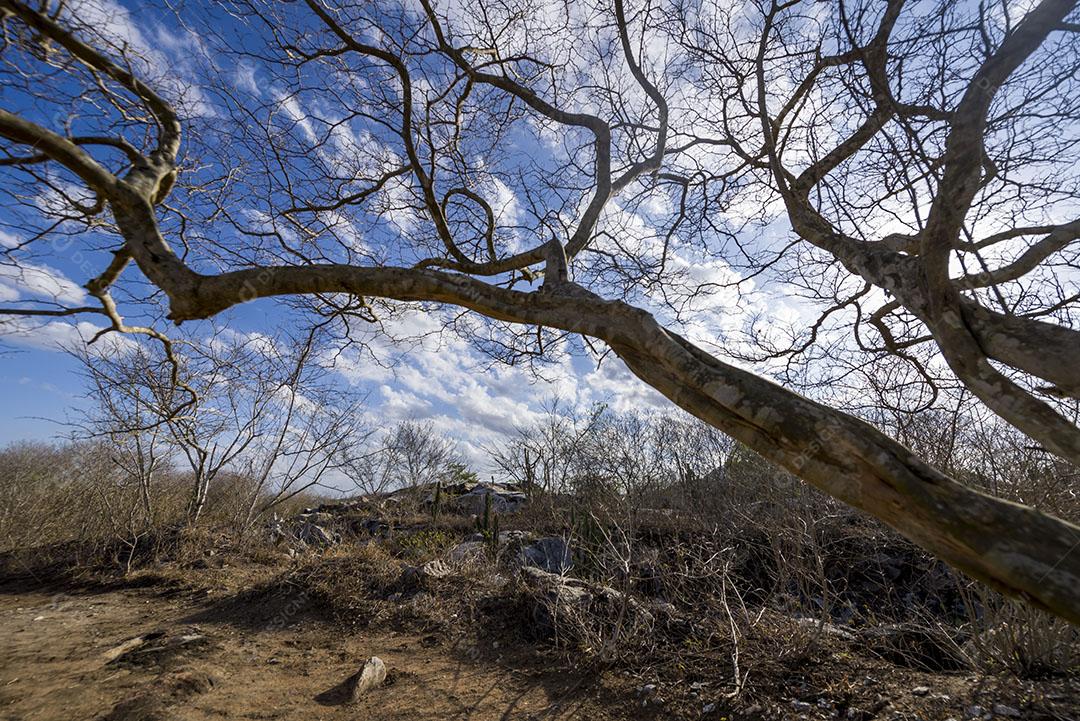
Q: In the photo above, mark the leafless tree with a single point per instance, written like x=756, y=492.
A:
x=920, y=157
x=308, y=430
x=544, y=457
x=409, y=454
x=124, y=392
x=258, y=407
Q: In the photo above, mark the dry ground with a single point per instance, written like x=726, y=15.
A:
x=55, y=665
x=62, y=658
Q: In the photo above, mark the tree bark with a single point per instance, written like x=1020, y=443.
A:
x=1016, y=549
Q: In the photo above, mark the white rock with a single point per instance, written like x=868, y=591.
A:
x=370, y=676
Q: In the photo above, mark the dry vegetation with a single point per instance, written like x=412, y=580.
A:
x=689, y=588
x=860, y=215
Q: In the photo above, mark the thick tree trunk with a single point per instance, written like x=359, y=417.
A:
x=1016, y=549
x=1013, y=548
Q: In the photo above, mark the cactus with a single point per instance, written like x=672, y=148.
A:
x=590, y=541
x=488, y=525
x=436, y=504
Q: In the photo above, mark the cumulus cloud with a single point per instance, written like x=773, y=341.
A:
x=441, y=378
x=40, y=282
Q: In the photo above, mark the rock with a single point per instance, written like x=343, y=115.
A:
x=802, y=706
x=416, y=577
x=156, y=648
x=435, y=569
x=1000, y=709
x=369, y=677
x=313, y=534
x=550, y=554
x=374, y=527
x=509, y=538
x=130, y=645
x=920, y=690
x=973, y=711
x=570, y=606
x=828, y=629
x=556, y=600
x=708, y=708
x=466, y=551
x=317, y=517
x=647, y=690
x=503, y=499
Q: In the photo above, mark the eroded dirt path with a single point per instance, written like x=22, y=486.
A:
x=62, y=658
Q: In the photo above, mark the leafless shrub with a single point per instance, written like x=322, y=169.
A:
x=1005, y=635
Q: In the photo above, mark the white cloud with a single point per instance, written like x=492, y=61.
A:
x=439, y=377
x=161, y=57
x=40, y=282
x=58, y=335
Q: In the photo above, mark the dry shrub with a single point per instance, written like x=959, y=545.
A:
x=345, y=580
x=589, y=619
x=68, y=507
x=422, y=544
x=1008, y=635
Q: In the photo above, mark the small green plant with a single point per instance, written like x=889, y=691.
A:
x=423, y=544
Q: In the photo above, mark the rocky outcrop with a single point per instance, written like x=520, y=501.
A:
x=504, y=499
x=550, y=554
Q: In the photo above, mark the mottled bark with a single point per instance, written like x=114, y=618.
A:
x=1018, y=550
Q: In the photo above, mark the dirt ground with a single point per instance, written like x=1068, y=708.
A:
x=55, y=663
x=155, y=649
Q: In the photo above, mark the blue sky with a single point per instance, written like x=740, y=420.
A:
x=538, y=172
x=440, y=378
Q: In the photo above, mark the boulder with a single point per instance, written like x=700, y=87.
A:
x=509, y=538
x=413, y=576
x=572, y=607
x=369, y=677
x=466, y=551
x=313, y=534
x=550, y=554
x=374, y=526
x=503, y=500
